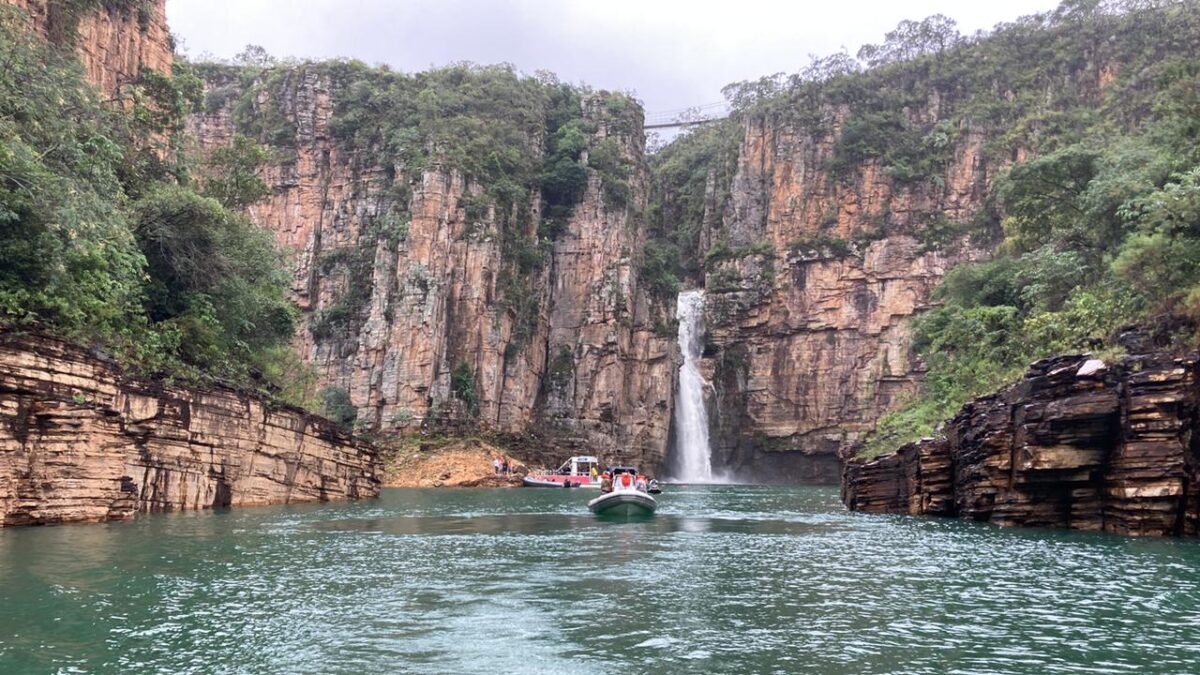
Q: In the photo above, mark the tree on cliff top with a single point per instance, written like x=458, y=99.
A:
x=911, y=40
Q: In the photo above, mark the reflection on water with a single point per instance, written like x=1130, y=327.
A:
x=550, y=523
x=727, y=579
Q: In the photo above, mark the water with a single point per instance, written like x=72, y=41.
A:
x=693, y=461
x=723, y=579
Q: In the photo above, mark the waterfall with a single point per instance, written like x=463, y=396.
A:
x=692, y=460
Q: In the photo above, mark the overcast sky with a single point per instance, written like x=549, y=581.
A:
x=671, y=53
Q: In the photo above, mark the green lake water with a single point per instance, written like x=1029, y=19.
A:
x=723, y=579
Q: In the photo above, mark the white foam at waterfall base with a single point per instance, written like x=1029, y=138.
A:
x=693, y=456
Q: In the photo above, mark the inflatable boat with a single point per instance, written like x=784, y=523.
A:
x=627, y=496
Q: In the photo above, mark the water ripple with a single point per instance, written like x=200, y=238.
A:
x=724, y=579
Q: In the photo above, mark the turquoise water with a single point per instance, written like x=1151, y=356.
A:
x=723, y=579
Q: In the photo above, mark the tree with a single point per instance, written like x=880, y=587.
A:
x=462, y=385
x=1162, y=259
x=607, y=159
x=254, y=55
x=337, y=406
x=213, y=277
x=232, y=173
x=1042, y=198
x=912, y=39
x=67, y=258
x=743, y=96
x=825, y=68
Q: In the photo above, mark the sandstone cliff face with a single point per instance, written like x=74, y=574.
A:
x=583, y=368
x=1077, y=443
x=79, y=442
x=114, y=41
x=808, y=327
x=840, y=215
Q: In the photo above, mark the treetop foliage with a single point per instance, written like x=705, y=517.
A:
x=105, y=238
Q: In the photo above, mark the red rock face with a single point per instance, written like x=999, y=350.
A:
x=79, y=442
x=1077, y=444
x=810, y=345
x=810, y=342
x=433, y=299
x=113, y=44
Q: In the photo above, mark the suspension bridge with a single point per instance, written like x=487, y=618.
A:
x=687, y=117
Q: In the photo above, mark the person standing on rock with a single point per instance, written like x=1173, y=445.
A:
x=496, y=464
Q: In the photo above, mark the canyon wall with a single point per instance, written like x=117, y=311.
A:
x=403, y=278
x=827, y=229
x=808, y=335
x=1078, y=443
x=81, y=442
x=113, y=40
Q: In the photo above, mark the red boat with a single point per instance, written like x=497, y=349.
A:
x=575, y=472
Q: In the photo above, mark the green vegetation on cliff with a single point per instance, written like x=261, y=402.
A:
x=524, y=145
x=511, y=134
x=64, y=15
x=690, y=183
x=1100, y=230
x=1086, y=119
x=105, y=237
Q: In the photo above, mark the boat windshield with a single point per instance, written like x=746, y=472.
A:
x=576, y=467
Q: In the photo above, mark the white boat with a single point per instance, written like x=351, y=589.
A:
x=628, y=496
x=575, y=472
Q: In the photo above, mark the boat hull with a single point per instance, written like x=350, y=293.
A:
x=560, y=482
x=624, y=503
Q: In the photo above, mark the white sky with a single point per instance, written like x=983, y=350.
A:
x=671, y=53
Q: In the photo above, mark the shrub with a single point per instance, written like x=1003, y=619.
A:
x=608, y=160
x=338, y=407
x=462, y=385
x=232, y=173
x=659, y=271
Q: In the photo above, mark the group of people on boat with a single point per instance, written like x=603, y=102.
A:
x=625, y=477
x=588, y=471
x=624, y=491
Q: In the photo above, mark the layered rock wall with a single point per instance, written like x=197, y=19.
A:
x=1077, y=444
x=114, y=40
x=580, y=365
x=80, y=442
x=823, y=242
x=809, y=341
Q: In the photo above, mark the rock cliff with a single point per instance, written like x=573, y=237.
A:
x=808, y=315
x=1078, y=443
x=405, y=276
x=81, y=442
x=830, y=211
x=113, y=40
